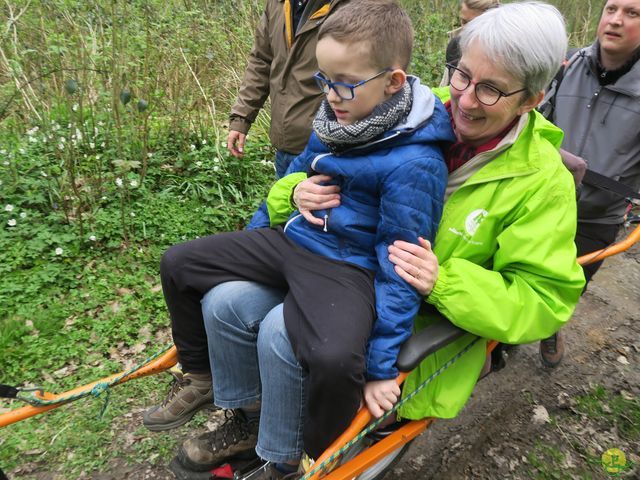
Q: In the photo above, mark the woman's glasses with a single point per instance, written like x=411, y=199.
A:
x=486, y=94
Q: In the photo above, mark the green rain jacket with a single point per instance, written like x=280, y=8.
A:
x=507, y=257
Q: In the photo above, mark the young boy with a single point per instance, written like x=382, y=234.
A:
x=378, y=133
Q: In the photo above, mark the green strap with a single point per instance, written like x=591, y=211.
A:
x=97, y=390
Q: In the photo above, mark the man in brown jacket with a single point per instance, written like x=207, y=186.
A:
x=281, y=65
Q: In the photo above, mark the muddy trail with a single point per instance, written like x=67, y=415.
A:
x=524, y=421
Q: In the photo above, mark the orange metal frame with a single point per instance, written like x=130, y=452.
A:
x=358, y=464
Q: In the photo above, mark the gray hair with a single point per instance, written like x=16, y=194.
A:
x=528, y=39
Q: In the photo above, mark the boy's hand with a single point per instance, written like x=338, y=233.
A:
x=310, y=195
x=380, y=396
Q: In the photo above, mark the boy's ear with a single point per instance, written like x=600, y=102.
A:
x=396, y=81
x=530, y=103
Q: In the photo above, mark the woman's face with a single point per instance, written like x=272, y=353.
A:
x=475, y=122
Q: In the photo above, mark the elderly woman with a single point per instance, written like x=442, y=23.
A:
x=503, y=265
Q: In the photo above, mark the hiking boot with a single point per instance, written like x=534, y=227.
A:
x=552, y=350
x=268, y=471
x=235, y=438
x=189, y=393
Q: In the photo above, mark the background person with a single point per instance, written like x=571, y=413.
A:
x=281, y=66
x=469, y=9
x=597, y=105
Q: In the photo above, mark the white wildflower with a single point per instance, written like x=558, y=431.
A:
x=198, y=163
x=75, y=107
x=3, y=152
x=33, y=140
x=11, y=222
x=101, y=123
x=102, y=145
x=92, y=145
x=216, y=160
x=119, y=182
x=192, y=147
x=44, y=174
x=59, y=251
x=204, y=142
x=21, y=150
x=92, y=238
x=61, y=146
x=216, y=168
x=133, y=183
x=23, y=214
x=95, y=130
x=8, y=208
x=6, y=163
x=149, y=155
x=78, y=134
x=132, y=214
x=62, y=139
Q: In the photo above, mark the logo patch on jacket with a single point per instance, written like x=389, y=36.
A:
x=471, y=225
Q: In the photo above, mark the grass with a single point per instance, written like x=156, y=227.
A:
x=612, y=409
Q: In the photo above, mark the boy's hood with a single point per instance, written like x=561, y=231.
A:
x=428, y=121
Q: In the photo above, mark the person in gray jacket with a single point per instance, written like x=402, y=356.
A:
x=597, y=104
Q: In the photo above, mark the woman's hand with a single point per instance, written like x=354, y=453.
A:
x=309, y=195
x=380, y=396
x=416, y=264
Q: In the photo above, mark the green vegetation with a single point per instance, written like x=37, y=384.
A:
x=112, y=130
x=613, y=410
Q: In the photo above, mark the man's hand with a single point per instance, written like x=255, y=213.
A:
x=310, y=195
x=235, y=143
x=380, y=396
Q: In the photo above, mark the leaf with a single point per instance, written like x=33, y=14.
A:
x=540, y=415
x=623, y=360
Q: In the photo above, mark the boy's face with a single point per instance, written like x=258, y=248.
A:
x=349, y=63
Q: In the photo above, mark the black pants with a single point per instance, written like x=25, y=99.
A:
x=591, y=237
x=329, y=311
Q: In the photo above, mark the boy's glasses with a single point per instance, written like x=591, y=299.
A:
x=486, y=94
x=346, y=91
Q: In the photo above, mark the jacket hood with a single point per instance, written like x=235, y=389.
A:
x=427, y=122
x=628, y=84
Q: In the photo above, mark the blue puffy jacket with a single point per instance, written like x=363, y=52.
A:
x=391, y=189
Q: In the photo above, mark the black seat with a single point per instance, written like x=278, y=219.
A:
x=427, y=341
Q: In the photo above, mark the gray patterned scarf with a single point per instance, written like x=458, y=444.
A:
x=383, y=118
